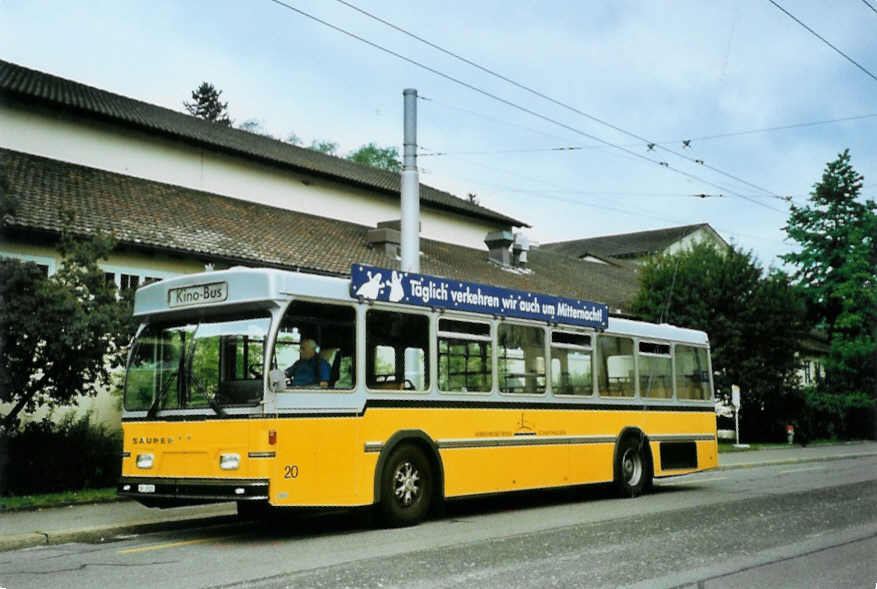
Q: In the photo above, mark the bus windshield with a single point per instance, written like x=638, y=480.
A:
x=214, y=363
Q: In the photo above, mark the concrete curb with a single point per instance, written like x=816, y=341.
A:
x=796, y=460
x=19, y=541
x=103, y=533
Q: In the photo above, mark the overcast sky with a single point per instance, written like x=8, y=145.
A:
x=662, y=71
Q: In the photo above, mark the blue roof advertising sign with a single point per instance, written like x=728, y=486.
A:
x=395, y=286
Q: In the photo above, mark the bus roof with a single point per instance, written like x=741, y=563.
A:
x=240, y=287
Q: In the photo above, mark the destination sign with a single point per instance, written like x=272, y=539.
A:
x=395, y=286
x=215, y=292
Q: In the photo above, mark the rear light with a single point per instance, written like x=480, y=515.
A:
x=272, y=437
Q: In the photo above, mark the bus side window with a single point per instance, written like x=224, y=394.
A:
x=615, y=370
x=521, y=358
x=692, y=373
x=397, y=348
x=655, y=370
x=333, y=329
x=465, y=356
x=571, y=364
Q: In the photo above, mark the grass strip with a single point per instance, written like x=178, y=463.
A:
x=26, y=502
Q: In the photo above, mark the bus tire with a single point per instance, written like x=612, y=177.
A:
x=633, y=470
x=406, y=487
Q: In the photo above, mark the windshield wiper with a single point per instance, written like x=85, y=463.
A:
x=153, y=410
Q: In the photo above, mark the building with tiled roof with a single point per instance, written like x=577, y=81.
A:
x=639, y=245
x=62, y=119
x=173, y=229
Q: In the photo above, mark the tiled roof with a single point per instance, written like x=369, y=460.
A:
x=152, y=216
x=32, y=86
x=625, y=244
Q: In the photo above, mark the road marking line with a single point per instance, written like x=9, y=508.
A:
x=170, y=545
x=688, y=481
x=802, y=469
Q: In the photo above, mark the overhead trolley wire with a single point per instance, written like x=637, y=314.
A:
x=514, y=105
x=823, y=39
x=647, y=142
x=492, y=118
x=868, y=4
x=663, y=142
x=550, y=195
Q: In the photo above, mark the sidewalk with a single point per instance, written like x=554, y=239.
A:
x=92, y=523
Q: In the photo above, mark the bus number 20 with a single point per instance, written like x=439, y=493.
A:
x=290, y=471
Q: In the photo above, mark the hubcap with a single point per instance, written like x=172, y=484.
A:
x=406, y=484
x=632, y=467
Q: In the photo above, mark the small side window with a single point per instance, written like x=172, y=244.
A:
x=465, y=356
x=521, y=358
x=615, y=368
x=397, y=346
x=316, y=346
x=655, y=370
x=692, y=373
x=571, y=364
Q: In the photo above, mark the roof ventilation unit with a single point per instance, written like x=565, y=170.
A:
x=520, y=248
x=498, y=243
x=386, y=237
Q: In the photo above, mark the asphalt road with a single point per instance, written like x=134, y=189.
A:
x=807, y=525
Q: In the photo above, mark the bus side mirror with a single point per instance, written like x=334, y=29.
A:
x=276, y=380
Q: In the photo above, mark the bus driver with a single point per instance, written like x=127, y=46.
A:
x=310, y=368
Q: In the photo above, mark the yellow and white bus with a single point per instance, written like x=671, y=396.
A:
x=278, y=388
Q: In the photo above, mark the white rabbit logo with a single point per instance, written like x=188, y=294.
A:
x=397, y=292
x=372, y=288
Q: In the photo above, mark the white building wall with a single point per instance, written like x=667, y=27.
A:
x=109, y=147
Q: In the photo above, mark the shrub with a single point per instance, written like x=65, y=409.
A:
x=70, y=455
x=835, y=415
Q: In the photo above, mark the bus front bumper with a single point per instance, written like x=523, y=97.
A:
x=168, y=492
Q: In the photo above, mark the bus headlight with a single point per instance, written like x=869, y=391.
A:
x=145, y=460
x=229, y=461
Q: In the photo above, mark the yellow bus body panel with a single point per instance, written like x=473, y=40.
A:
x=324, y=461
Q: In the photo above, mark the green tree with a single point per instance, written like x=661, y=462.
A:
x=836, y=233
x=207, y=105
x=385, y=158
x=324, y=146
x=60, y=336
x=754, y=319
x=256, y=127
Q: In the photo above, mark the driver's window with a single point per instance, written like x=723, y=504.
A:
x=316, y=346
x=398, y=348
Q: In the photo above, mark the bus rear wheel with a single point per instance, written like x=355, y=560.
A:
x=633, y=469
x=406, y=487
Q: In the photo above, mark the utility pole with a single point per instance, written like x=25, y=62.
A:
x=410, y=222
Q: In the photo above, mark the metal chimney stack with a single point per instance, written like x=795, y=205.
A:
x=410, y=226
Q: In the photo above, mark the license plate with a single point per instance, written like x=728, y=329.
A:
x=146, y=488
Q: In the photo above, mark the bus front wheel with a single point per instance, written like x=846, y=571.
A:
x=406, y=487
x=633, y=470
